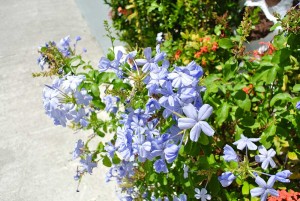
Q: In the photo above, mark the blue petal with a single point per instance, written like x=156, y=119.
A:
x=256, y=192
x=195, y=132
x=186, y=123
x=204, y=112
x=190, y=111
x=206, y=128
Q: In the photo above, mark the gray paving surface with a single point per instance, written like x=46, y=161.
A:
x=35, y=159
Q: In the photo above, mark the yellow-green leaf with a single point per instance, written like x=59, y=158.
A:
x=293, y=156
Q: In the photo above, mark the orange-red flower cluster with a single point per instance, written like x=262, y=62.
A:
x=248, y=89
x=207, y=46
x=177, y=54
x=286, y=196
x=122, y=11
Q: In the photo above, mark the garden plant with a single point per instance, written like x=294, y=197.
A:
x=190, y=113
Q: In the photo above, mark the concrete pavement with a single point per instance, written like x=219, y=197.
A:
x=35, y=159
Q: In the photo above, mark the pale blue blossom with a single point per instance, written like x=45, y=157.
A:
x=171, y=152
x=264, y=188
x=226, y=178
x=185, y=171
x=202, y=194
x=150, y=64
x=246, y=142
x=195, y=121
x=160, y=166
x=87, y=164
x=181, y=197
x=298, y=105
x=71, y=83
x=229, y=154
x=78, y=149
x=283, y=176
x=265, y=157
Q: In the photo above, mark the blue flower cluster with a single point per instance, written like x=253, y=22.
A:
x=64, y=47
x=64, y=102
x=265, y=158
x=174, y=92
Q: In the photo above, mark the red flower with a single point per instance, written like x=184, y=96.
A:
x=247, y=90
x=286, y=196
x=197, y=54
x=177, y=54
x=215, y=46
x=203, y=49
x=122, y=11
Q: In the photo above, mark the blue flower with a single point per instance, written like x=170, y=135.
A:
x=156, y=80
x=80, y=117
x=82, y=97
x=65, y=46
x=182, y=197
x=226, y=178
x=65, y=42
x=265, y=157
x=150, y=64
x=264, y=188
x=110, y=149
x=185, y=171
x=41, y=61
x=105, y=64
x=195, y=121
x=246, y=142
x=50, y=99
x=124, y=143
x=229, y=154
x=298, y=105
x=160, y=166
x=71, y=83
x=78, y=149
x=180, y=78
x=111, y=103
x=202, y=194
x=159, y=37
x=171, y=152
x=152, y=105
x=87, y=164
x=282, y=176
x=194, y=70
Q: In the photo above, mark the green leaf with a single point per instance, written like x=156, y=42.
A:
x=116, y=159
x=75, y=61
x=281, y=96
x=100, y=147
x=98, y=104
x=230, y=68
x=106, y=77
x=296, y=88
x=242, y=100
x=111, y=55
x=95, y=90
x=106, y=161
x=271, y=75
x=152, y=7
x=293, y=156
x=152, y=177
x=245, y=188
x=280, y=41
x=203, y=139
x=217, y=29
x=225, y=43
x=260, y=89
x=222, y=113
x=211, y=159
